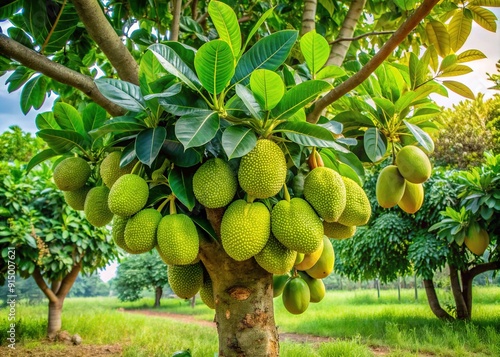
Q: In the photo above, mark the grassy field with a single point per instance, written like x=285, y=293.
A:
x=359, y=323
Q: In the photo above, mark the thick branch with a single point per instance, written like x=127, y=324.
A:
x=339, y=49
x=350, y=39
x=481, y=268
x=106, y=38
x=434, y=301
x=176, y=13
x=44, y=287
x=309, y=16
x=376, y=60
x=456, y=289
x=68, y=281
x=56, y=284
x=60, y=73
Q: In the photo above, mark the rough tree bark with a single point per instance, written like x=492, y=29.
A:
x=158, y=294
x=309, y=16
x=176, y=13
x=434, y=302
x=462, y=311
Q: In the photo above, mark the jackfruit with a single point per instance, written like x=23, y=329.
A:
x=324, y=189
x=96, y=206
x=128, y=195
x=118, y=232
x=300, y=258
x=207, y=294
x=275, y=257
x=413, y=164
x=76, y=199
x=71, y=174
x=185, y=280
x=296, y=295
x=140, y=231
x=110, y=169
x=338, y=231
x=357, y=209
x=390, y=187
x=295, y=224
x=311, y=258
x=477, y=239
x=324, y=265
x=245, y=229
x=279, y=282
x=214, y=183
x=178, y=239
x=262, y=171
x=413, y=197
x=317, y=288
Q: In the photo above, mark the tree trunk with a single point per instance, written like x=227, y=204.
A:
x=462, y=313
x=54, y=325
x=415, y=286
x=467, y=292
x=309, y=16
x=158, y=294
x=434, y=302
x=399, y=288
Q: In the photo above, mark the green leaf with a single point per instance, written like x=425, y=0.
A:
x=169, y=92
x=315, y=49
x=94, y=117
x=308, y=134
x=176, y=154
x=150, y=67
x=123, y=94
x=255, y=28
x=214, y=63
x=417, y=71
x=268, y=53
x=39, y=158
x=331, y=72
x=10, y=8
x=328, y=5
x=61, y=141
x=33, y=93
x=470, y=55
x=249, y=100
x=119, y=125
x=182, y=104
x=448, y=61
x=459, y=29
x=487, y=3
x=18, y=78
x=375, y=144
x=207, y=227
x=148, y=144
x=404, y=101
x=459, y=88
x=421, y=136
x=455, y=70
x=46, y=121
x=268, y=88
x=226, y=24
x=439, y=37
x=181, y=184
x=386, y=107
x=20, y=36
x=197, y=128
x=68, y=118
x=353, y=119
x=298, y=97
x=484, y=18
x=238, y=141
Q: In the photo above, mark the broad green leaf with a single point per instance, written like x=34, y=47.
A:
x=433, y=58
x=331, y=72
x=177, y=155
x=484, y=18
x=197, y=128
x=119, y=125
x=10, y=8
x=39, y=158
x=439, y=37
x=459, y=29
x=128, y=154
x=421, y=136
x=298, y=97
x=455, y=70
x=268, y=88
x=214, y=63
x=308, y=134
x=404, y=101
x=315, y=49
x=182, y=104
x=328, y=5
x=255, y=28
x=353, y=119
x=487, y=3
x=61, y=141
x=148, y=144
x=344, y=170
x=268, y=53
x=332, y=125
x=226, y=24
x=170, y=92
x=375, y=144
x=123, y=94
x=299, y=115
x=181, y=184
x=448, y=61
x=20, y=36
x=150, y=67
x=430, y=87
x=46, y=121
x=69, y=118
x=385, y=107
x=18, y=78
x=470, y=55
x=33, y=93
x=238, y=141
x=459, y=88
x=249, y=100
x=406, y=4
x=207, y=227
x=185, y=52
x=417, y=71
x=94, y=117
x=353, y=161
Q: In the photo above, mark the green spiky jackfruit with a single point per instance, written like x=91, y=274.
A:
x=357, y=209
x=71, y=174
x=96, y=206
x=76, y=199
x=178, y=240
x=110, y=169
x=295, y=224
x=140, y=231
x=275, y=257
x=207, y=294
x=336, y=230
x=245, y=229
x=118, y=232
x=262, y=171
x=214, y=183
x=185, y=280
x=324, y=189
x=128, y=195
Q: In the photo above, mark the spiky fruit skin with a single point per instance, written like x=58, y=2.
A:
x=118, y=232
x=214, y=184
x=110, y=169
x=390, y=187
x=477, y=241
x=76, y=199
x=324, y=189
x=324, y=265
x=178, y=239
x=71, y=174
x=185, y=280
x=96, y=206
x=140, y=231
x=207, y=294
x=275, y=257
x=245, y=229
x=279, y=282
x=413, y=164
x=336, y=230
x=262, y=171
x=317, y=288
x=296, y=296
x=311, y=258
x=295, y=224
x=128, y=195
x=357, y=209
x=413, y=197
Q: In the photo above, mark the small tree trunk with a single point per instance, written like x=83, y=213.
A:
x=434, y=302
x=462, y=313
x=158, y=294
x=309, y=16
x=378, y=287
x=54, y=325
x=193, y=302
x=399, y=288
x=467, y=292
x=415, y=286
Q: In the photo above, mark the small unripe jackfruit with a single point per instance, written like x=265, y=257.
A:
x=71, y=173
x=185, y=280
x=140, y=231
x=76, y=199
x=128, y=195
x=413, y=164
x=96, y=206
x=390, y=187
x=275, y=257
x=178, y=240
x=413, y=197
x=110, y=169
x=214, y=183
x=338, y=231
x=207, y=294
x=357, y=209
x=118, y=232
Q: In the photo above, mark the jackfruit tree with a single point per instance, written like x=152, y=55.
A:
x=242, y=128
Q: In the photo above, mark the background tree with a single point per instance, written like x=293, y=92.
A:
x=89, y=286
x=17, y=145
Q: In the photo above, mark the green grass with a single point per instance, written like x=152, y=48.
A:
x=357, y=320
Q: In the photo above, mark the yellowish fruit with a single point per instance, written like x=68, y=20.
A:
x=357, y=209
x=310, y=259
x=390, y=187
x=477, y=240
x=336, y=230
x=275, y=257
x=296, y=296
x=324, y=265
x=279, y=282
x=413, y=164
x=300, y=258
x=413, y=197
x=317, y=288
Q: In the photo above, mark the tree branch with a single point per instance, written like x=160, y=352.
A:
x=60, y=73
x=56, y=284
x=176, y=13
x=374, y=33
x=68, y=281
x=456, y=289
x=309, y=16
x=376, y=61
x=106, y=38
x=481, y=268
x=434, y=301
x=44, y=287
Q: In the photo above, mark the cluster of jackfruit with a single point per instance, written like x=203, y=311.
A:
x=401, y=184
